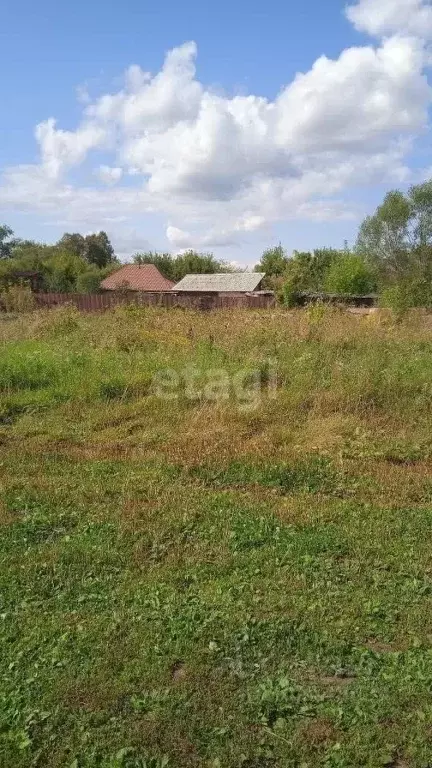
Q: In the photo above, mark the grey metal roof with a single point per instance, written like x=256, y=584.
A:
x=221, y=283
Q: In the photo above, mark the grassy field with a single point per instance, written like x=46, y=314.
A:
x=215, y=568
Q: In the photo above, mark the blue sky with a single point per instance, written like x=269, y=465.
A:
x=231, y=157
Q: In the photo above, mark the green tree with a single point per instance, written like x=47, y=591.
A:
x=74, y=243
x=306, y=271
x=397, y=239
x=98, y=250
x=321, y=262
x=61, y=267
x=61, y=270
x=29, y=255
x=176, y=267
x=351, y=275
x=163, y=261
x=192, y=262
x=297, y=276
x=273, y=261
x=7, y=241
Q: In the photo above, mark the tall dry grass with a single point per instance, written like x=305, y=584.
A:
x=339, y=376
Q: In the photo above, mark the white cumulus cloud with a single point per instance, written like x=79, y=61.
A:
x=61, y=149
x=384, y=17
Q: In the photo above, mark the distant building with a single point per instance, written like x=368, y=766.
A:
x=137, y=277
x=28, y=277
x=229, y=283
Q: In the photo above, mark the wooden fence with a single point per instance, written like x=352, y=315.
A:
x=98, y=302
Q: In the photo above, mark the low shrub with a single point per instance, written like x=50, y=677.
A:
x=17, y=298
x=405, y=295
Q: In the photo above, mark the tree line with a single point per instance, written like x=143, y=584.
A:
x=392, y=256
x=78, y=263
x=74, y=263
x=188, y=263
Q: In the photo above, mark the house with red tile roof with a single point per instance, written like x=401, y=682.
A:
x=137, y=277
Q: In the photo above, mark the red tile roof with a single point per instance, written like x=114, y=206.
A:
x=137, y=277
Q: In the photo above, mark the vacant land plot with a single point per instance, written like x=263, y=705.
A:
x=215, y=540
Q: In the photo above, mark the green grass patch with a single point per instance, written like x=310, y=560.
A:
x=311, y=475
x=187, y=583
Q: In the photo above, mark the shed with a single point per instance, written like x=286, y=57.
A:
x=221, y=283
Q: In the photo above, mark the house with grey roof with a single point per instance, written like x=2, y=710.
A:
x=224, y=283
